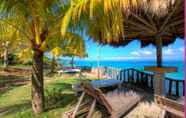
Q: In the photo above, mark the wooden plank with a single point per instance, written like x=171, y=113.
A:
x=78, y=104
x=160, y=69
x=91, y=109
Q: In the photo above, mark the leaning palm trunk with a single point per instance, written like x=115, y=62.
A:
x=37, y=83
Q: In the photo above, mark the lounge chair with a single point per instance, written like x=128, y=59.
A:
x=171, y=108
x=69, y=71
x=116, y=103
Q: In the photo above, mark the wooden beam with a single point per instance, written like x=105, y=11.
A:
x=78, y=104
x=140, y=26
x=159, y=52
x=164, y=27
x=141, y=20
x=91, y=109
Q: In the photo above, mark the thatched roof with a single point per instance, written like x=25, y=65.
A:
x=147, y=27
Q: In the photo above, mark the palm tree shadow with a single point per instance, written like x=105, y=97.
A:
x=15, y=108
x=60, y=97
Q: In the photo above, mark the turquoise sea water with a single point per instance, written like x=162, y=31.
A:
x=136, y=64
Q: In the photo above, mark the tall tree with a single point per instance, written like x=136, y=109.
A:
x=8, y=42
x=72, y=45
x=38, y=22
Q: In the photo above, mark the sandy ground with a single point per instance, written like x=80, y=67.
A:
x=146, y=108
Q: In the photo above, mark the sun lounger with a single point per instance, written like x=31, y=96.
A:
x=116, y=103
x=72, y=70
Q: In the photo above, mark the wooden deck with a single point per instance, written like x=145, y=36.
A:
x=145, y=80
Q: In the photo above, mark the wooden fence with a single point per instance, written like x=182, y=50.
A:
x=145, y=80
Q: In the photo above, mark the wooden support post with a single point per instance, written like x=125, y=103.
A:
x=78, y=104
x=159, y=84
x=128, y=75
x=124, y=76
x=170, y=87
x=121, y=74
x=91, y=109
x=141, y=77
x=177, y=88
x=137, y=77
x=159, y=76
x=159, y=52
x=146, y=79
x=151, y=82
x=132, y=76
x=183, y=88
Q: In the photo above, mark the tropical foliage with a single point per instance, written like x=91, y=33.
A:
x=37, y=23
x=108, y=15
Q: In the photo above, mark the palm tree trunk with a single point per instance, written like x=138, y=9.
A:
x=5, y=58
x=52, y=65
x=37, y=83
x=159, y=52
x=72, y=62
x=6, y=54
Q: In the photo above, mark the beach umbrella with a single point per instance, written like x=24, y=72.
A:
x=147, y=28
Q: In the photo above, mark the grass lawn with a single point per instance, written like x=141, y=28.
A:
x=16, y=102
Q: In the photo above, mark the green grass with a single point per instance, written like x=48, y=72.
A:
x=16, y=102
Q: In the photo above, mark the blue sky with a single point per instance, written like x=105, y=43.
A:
x=133, y=51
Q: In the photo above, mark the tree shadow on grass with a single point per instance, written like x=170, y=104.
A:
x=15, y=108
x=60, y=96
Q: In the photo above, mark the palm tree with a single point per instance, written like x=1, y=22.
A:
x=109, y=14
x=37, y=22
x=72, y=45
x=8, y=42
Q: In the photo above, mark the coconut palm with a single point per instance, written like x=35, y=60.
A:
x=37, y=22
x=8, y=42
x=67, y=47
x=110, y=13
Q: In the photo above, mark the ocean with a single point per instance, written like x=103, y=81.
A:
x=124, y=64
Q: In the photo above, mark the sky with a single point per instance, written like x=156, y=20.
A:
x=133, y=51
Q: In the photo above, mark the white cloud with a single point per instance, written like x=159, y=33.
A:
x=146, y=52
x=169, y=51
x=181, y=49
x=135, y=53
x=173, y=51
x=141, y=53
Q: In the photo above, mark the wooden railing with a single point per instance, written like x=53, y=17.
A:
x=145, y=80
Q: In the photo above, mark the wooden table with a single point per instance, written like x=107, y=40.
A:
x=99, y=84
